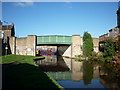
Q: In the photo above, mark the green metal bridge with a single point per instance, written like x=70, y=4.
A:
x=54, y=39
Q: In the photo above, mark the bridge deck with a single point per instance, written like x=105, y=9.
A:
x=54, y=40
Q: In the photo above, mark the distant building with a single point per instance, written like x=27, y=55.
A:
x=6, y=31
x=113, y=34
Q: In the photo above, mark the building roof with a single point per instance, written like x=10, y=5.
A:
x=6, y=27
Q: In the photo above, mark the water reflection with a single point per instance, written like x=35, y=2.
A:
x=72, y=74
x=77, y=71
x=87, y=73
x=49, y=60
x=53, y=63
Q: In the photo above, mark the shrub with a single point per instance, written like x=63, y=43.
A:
x=109, y=48
x=108, y=59
x=97, y=56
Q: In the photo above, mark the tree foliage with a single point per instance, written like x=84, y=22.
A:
x=87, y=44
x=109, y=48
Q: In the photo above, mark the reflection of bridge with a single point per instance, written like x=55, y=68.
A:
x=60, y=75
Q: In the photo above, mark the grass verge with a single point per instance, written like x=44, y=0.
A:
x=23, y=73
x=18, y=58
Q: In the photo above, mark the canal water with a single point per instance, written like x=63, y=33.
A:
x=70, y=73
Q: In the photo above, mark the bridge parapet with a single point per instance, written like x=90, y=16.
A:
x=54, y=39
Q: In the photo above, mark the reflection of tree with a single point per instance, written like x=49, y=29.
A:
x=111, y=78
x=87, y=72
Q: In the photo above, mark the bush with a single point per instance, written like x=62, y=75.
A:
x=108, y=59
x=96, y=56
x=80, y=55
x=109, y=48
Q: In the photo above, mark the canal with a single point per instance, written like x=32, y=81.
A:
x=70, y=73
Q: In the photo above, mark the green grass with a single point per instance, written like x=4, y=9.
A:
x=21, y=58
x=23, y=73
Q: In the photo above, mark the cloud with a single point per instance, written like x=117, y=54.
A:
x=27, y=0
x=24, y=3
x=68, y=4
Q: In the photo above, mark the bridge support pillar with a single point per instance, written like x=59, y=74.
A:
x=76, y=45
x=31, y=45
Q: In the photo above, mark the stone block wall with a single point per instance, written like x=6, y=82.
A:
x=23, y=46
x=96, y=44
x=7, y=33
x=12, y=44
x=76, y=45
x=31, y=45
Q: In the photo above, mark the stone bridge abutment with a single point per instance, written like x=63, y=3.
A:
x=65, y=45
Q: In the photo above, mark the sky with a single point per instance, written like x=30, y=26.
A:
x=60, y=18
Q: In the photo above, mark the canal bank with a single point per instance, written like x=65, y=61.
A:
x=24, y=73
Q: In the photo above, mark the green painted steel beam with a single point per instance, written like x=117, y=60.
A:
x=54, y=39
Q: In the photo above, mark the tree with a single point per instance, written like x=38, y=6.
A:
x=109, y=48
x=87, y=44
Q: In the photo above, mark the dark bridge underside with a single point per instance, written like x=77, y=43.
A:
x=53, y=44
x=60, y=48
